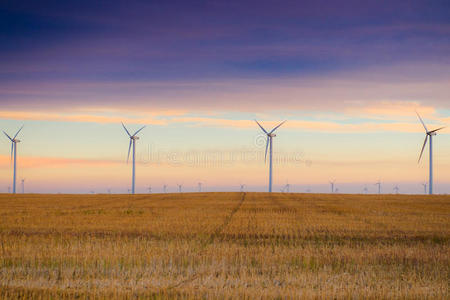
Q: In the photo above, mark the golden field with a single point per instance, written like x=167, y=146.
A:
x=224, y=245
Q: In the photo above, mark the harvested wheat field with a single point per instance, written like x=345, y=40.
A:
x=224, y=245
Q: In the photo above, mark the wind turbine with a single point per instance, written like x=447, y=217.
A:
x=133, y=139
x=199, y=187
x=149, y=189
x=424, y=187
x=396, y=189
x=23, y=185
x=242, y=187
x=428, y=134
x=165, y=188
x=379, y=186
x=14, y=142
x=365, y=190
x=286, y=188
x=270, y=136
x=179, y=187
x=332, y=185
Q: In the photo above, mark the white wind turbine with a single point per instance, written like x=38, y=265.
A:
x=180, y=186
x=270, y=136
x=332, y=185
x=396, y=189
x=242, y=187
x=23, y=185
x=14, y=142
x=285, y=189
x=133, y=139
x=165, y=188
x=379, y=186
x=424, y=187
x=428, y=134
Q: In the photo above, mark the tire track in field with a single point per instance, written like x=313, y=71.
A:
x=210, y=240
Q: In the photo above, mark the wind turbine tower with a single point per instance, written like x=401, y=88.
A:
x=332, y=186
x=424, y=187
x=242, y=187
x=269, y=144
x=23, y=186
x=430, y=134
x=165, y=188
x=150, y=189
x=133, y=139
x=180, y=186
x=379, y=186
x=199, y=187
x=14, y=142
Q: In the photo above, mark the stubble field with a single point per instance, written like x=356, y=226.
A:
x=224, y=245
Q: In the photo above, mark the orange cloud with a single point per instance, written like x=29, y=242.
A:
x=324, y=126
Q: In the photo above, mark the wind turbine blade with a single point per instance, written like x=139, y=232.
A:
x=424, y=126
x=18, y=132
x=278, y=126
x=8, y=136
x=126, y=130
x=129, y=148
x=138, y=130
x=267, y=146
x=423, y=147
x=436, y=129
x=261, y=127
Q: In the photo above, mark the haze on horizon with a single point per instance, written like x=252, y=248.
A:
x=347, y=76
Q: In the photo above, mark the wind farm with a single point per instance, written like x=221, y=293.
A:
x=274, y=150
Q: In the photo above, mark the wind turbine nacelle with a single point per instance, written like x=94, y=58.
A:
x=272, y=135
x=432, y=133
x=135, y=138
x=16, y=141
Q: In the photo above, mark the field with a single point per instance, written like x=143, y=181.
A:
x=224, y=245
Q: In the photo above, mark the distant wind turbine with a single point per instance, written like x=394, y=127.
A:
x=23, y=185
x=14, y=142
x=365, y=190
x=199, y=187
x=424, y=187
x=149, y=189
x=428, y=134
x=285, y=188
x=180, y=186
x=396, y=189
x=242, y=187
x=133, y=139
x=379, y=186
x=165, y=188
x=269, y=142
x=9, y=189
x=332, y=186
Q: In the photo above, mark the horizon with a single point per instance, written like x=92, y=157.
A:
x=348, y=79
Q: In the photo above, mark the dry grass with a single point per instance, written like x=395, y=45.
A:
x=224, y=245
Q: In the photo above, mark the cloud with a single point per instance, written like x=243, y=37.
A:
x=322, y=126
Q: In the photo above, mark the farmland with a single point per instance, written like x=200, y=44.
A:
x=224, y=245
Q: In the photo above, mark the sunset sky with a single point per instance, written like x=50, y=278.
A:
x=348, y=76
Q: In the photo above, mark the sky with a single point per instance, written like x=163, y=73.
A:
x=347, y=76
